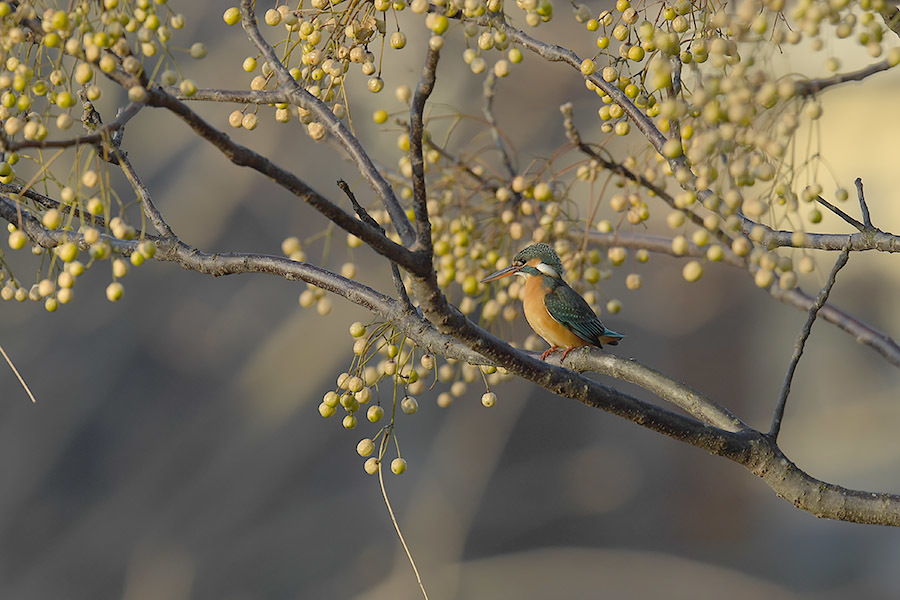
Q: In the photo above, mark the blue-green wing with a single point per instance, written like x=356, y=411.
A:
x=568, y=307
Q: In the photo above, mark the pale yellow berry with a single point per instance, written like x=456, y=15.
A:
x=788, y=280
x=371, y=465
x=137, y=93
x=52, y=219
x=764, y=278
x=17, y=239
x=67, y=251
x=398, y=466
x=232, y=16
x=692, y=271
x=715, y=253
x=357, y=329
x=489, y=399
x=46, y=287
x=741, y=246
x=188, y=87
x=409, y=405
x=617, y=255
x=806, y=264
x=273, y=17
x=114, y=291
x=324, y=306
x=374, y=413
x=249, y=121
x=365, y=447
x=120, y=268
x=326, y=411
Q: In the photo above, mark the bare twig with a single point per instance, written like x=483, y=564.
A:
x=863, y=207
x=144, y=195
x=387, y=503
x=416, y=157
x=490, y=83
x=99, y=138
x=365, y=216
x=814, y=86
x=801, y=342
x=243, y=156
x=299, y=95
x=840, y=213
x=18, y=376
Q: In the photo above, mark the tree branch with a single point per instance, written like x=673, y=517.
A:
x=364, y=215
x=243, y=156
x=863, y=207
x=487, y=109
x=100, y=138
x=821, y=299
x=416, y=157
x=811, y=87
x=748, y=447
x=351, y=145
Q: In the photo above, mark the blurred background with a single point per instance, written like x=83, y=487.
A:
x=176, y=452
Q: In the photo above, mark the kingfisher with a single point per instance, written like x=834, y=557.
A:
x=554, y=310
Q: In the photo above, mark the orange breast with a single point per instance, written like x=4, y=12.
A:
x=553, y=332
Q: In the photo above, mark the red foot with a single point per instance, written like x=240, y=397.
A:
x=549, y=351
x=566, y=353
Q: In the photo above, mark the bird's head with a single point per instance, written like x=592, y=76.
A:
x=536, y=259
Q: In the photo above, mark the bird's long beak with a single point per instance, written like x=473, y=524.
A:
x=510, y=270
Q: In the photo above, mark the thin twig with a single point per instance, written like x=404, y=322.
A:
x=416, y=157
x=863, y=207
x=814, y=86
x=245, y=157
x=365, y=216
x=397, y=526
x=801, y=341
x=299, y=95
x=487, y=108
x=98, y=139
x=840, y=213
x=144, y=195
x=16, y=371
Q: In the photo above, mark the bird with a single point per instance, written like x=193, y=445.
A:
x=554, y=310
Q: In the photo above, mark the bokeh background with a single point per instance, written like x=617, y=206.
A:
x=176, y=451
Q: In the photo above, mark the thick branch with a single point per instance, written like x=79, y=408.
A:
x=748, y=447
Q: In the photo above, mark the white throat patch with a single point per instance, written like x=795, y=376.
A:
x=547, y=270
